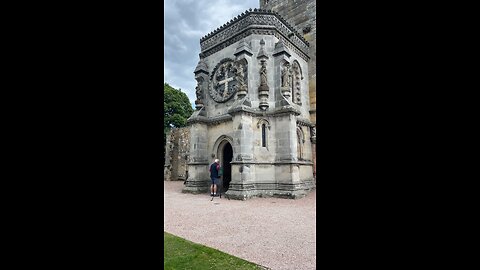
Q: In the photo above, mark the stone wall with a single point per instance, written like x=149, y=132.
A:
x=176, y=154
x=302, y=15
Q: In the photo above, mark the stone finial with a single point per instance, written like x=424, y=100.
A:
x=261, y=52
x=201, y=66
x=280, y=49
x=243, y=47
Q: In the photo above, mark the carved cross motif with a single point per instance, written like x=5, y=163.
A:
x=225, y=81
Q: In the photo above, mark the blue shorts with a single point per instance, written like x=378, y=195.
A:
x=214, y=180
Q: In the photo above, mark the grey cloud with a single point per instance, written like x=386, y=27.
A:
x=185, y=22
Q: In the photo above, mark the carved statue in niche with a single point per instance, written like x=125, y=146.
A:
x=263, y=74
x=286, y=76
x=240, y=77
x=263, y=88
x=199, y=89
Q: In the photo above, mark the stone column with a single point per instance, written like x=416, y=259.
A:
x=198, y=175
x=241, y=186
x=287, y=172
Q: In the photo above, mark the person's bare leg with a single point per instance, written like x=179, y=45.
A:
x=214, y=189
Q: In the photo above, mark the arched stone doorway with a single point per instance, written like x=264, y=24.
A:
x=225, y=155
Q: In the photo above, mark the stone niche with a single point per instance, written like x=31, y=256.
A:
x=252, y=109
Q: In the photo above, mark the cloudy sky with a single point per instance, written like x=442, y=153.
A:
x=185, y=22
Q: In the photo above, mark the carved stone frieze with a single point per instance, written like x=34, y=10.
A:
x=254, y=22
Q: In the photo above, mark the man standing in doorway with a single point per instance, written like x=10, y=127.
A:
x=214, y=169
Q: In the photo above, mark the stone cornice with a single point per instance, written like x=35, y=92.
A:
x=286, y=110
x=299, y=162
x=304, y=122
x=254, y=22
x=209, y=120
x=257, y=113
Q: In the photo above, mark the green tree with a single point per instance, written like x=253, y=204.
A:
x=177, y=109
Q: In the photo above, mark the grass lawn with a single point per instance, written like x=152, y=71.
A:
x=180, y=254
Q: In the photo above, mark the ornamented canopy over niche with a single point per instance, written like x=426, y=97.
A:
x=264, y=22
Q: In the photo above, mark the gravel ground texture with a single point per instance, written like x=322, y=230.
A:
x=273, y=232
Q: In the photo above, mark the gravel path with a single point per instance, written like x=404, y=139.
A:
x=273, y=232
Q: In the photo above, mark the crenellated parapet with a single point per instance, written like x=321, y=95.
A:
x=257, y=21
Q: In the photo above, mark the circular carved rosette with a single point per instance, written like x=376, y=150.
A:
x=224, y=83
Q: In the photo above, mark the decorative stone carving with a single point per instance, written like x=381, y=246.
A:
x=263, y=77
x=297, y=99
x=255, y=21
x=252, y=50
x=313, y=132
x=307, y=29
x=262, y=121
x=201, y=66
x=285, y=78
x=199, y=92
x=224, y=81
x=243, y=48
x=240, y=77
x=281, y=49
x=261, y=52
x=201, y=75
x=263, y=88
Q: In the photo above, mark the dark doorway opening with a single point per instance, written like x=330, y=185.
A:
x=227, y=167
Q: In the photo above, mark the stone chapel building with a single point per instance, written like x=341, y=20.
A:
x=255, y=107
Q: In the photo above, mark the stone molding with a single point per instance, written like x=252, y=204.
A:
x=304, y=122
x=210, y=120
x=285, y=162
x=261, y=22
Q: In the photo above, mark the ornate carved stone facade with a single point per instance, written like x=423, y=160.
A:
x=301, y=14
x=253, y=109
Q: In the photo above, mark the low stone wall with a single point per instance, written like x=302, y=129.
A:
x=176, y=154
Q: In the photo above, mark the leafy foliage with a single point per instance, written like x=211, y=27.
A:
x=177, y=109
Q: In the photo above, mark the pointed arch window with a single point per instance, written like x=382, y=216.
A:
x=264, y=135
x=264, y=126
